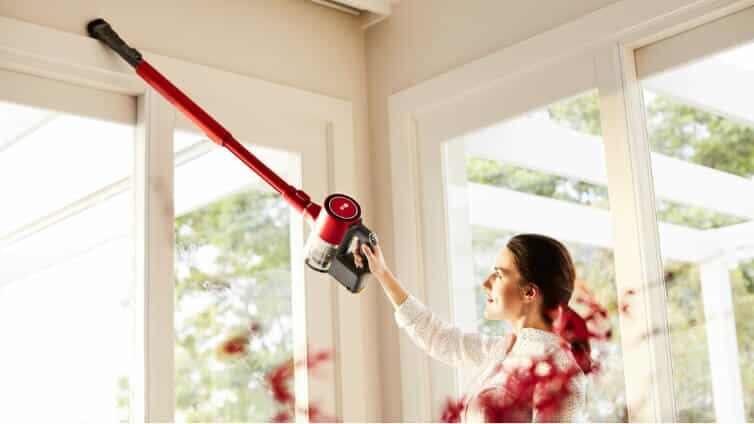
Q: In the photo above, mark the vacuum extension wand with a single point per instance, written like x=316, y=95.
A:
x=334, y=228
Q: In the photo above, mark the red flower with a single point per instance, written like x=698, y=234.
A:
x=234, y=347
x=540, y=385
x=452, y=411
x=281, y=417
x=279, y=382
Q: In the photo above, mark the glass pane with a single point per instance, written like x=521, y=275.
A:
x=56, y=160
x=702, y=142
x=233, y=279
x=520, y=175
x=65, y=303
x=17, y=120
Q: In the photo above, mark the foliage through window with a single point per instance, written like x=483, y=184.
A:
x=232, y=273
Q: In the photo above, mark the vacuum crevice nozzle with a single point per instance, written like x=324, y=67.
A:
x=102, y=31
x=91, y=25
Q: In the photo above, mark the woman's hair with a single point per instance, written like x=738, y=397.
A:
x=545, y=262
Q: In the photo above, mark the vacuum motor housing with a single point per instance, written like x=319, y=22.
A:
x=334, y=237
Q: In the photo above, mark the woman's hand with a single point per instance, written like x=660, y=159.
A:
x=375, y=259
x=392, y=287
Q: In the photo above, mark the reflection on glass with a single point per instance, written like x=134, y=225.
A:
x=522, y=165
x=232, y=274
x=702, y=144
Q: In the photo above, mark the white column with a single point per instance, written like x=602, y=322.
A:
x=722, y=344
x=152, y=387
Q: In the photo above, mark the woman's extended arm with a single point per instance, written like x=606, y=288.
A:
x=393, y=288
x=442, y=341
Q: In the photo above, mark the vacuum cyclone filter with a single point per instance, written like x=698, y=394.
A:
x=320, y=253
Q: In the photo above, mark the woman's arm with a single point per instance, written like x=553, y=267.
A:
x=393, y=288
x=444, y=342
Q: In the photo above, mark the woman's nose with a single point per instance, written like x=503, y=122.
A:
x=486, y=283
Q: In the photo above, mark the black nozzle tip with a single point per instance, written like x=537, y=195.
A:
x=93, y=24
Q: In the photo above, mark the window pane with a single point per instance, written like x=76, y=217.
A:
x=545, y=173
x=232, y=270
x=50, y=160
x=65, y=303
x=702, y=143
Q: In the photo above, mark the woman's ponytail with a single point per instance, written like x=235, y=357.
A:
x=570, y=326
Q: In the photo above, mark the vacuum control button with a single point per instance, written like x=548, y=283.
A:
x=343, y=207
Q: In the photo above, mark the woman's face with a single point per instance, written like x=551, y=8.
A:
x=504, y=295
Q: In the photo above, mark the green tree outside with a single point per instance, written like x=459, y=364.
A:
x=232, y=269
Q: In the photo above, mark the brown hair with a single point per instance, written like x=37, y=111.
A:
x=544, y=261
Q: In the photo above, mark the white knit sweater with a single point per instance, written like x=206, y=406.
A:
x=452, y=346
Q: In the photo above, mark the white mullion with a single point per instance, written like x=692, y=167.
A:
x=153, y=381
x=315, y=293
x=298, y=294
x=461, y=264
x=638, y=265
x=435, y=253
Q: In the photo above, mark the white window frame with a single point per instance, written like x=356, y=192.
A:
x=594, y=51
x=271, y=115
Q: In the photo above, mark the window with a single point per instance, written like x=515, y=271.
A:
x=65, y=266
x=702, y=142
x=232, y=272
x=544, y=172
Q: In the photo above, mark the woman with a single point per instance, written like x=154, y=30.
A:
x=532, y=275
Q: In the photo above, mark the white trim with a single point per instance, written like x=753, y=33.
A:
x=153, y=393
x=254, y=110
x=382, y=7
x=408, y=229
x=611, y=31
x=55, y=95
x=459, y=200
x=645, y=336
x=436, y=255
x=711, y=38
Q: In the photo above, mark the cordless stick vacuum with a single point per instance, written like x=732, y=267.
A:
x=334, y=228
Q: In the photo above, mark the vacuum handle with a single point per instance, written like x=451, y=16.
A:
x=343, y=267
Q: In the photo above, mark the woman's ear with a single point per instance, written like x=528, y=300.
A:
x=530, y=292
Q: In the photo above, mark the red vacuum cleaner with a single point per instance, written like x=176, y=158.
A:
x=336, y=228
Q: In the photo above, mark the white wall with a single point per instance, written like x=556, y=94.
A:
x=292, y=42
x=422, y=39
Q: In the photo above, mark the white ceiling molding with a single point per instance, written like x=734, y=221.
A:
x=370, y=11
